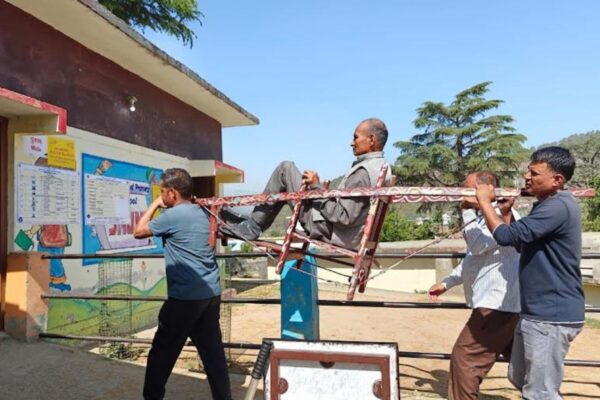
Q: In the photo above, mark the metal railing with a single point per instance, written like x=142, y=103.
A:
x=277, y=301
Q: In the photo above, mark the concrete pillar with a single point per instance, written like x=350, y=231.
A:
x=443, y=268
x=27, y=278
x=596, y=272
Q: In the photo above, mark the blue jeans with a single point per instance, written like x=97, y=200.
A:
x=538, y=353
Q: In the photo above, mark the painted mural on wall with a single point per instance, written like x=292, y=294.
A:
x=70, y=198
x=115, y=196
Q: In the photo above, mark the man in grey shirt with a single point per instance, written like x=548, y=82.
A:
x=490, y=277
x=338, y=221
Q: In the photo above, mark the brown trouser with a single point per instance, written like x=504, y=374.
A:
x=487, y=334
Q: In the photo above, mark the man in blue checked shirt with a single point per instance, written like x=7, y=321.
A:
x=490, y=277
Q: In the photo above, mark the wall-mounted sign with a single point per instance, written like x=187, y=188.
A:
x=116, y=195
x=47, y=195
x=36, y=146
x=61, y=152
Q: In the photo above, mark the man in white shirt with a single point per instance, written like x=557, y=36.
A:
x=490, y=277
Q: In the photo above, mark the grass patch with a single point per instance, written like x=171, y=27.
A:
x=592, y=323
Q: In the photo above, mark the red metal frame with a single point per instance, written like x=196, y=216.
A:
x=398, y=194
x=381, y=197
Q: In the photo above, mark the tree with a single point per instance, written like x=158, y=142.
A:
x=586, y=150
x=170, y=16
x=591, y=218
x=396, y=227
x=460, y=138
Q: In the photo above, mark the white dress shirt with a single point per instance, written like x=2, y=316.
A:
x=489, y=272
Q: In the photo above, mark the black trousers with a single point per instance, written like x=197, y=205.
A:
x=178, y=320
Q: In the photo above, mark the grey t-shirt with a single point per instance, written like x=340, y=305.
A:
x=191, y=267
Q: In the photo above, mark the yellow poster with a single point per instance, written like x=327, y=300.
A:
x=61, y=152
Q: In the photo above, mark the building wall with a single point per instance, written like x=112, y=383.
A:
x=135, y=277
x=41, y=62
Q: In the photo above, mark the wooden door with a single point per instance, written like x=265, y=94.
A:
x=3, y=212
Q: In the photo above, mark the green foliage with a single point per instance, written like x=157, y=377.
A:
x=170, y=16
x=592, y=323
x=396, y=227
x=459, y=138
x=121, y=351
x=585, y=148
x=246, y=248
x=591, y=217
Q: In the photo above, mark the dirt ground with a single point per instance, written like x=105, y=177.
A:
x=48, y=371
x=422, y=330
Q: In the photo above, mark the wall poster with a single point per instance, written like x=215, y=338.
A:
x=47, y=195
x=115, y=195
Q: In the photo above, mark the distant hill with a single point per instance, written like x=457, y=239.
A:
x=586, y=149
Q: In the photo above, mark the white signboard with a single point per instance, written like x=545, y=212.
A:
x=106, y=200
x=48, y=195
x=300, y=370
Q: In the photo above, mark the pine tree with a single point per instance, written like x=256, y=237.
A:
x=170, y=16
x=460, y=138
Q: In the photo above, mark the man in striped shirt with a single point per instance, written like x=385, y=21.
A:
x=490, y=277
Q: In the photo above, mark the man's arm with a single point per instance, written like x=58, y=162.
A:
x=478, y=238
x=346, y=212
x=485, y=195
x=142, y=229
x=454, y=279
x=543, y=220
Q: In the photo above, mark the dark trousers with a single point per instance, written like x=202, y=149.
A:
x=178, y=320
x=487, y=334
x=287, y=178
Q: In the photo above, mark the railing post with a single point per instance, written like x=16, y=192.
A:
x=27, y=278
x=596, y=272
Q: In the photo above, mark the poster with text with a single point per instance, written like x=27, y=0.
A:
x=115, y=195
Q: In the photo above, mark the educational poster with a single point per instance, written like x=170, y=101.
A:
x=115, y=195
x=47, y=195
x=56, y=210
x=47, y=205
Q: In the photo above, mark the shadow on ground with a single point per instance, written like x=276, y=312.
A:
x=49, y=371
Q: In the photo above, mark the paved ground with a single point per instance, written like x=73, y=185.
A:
x=31, y=371
x=52, y=372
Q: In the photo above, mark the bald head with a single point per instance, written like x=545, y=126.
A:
x=377, y=128
x=482, y=177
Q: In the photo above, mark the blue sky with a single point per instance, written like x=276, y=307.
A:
x=311, y=70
